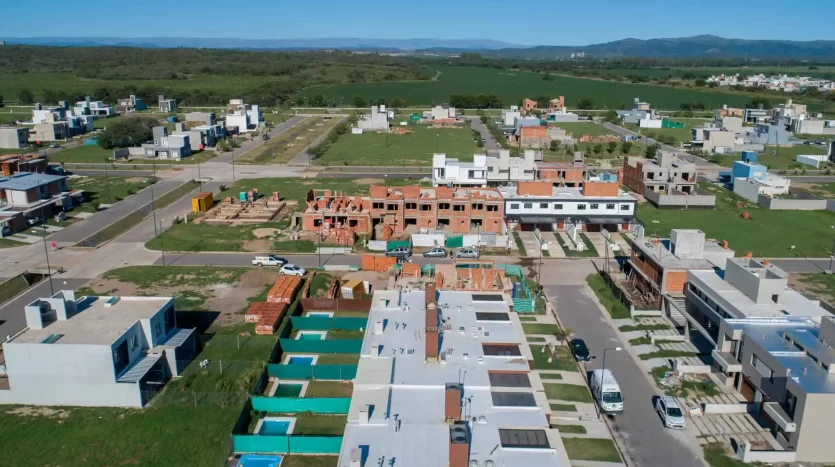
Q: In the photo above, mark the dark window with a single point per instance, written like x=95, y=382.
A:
x=514, y=206
x=492, y=208
x=558, y=206
x=624, y=207
x=493, y=350
x=443, y=205
x=458, y=208
x=530, y=439
x=610, y=206
x=513, y=399
x=425, y=207
x=392, y=207
x=487, y=298
x=376, y=205
x=477, y=206
x=509, y=380
x=595, y=205
x=411, y=205
x=543, y=205
x=528, y=205
x=581, y=207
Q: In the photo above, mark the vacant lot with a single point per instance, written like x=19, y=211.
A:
x=106, y=190
x=413, y=148
x=776, y=159
x=512, y=86
x=673, y=136
x=810, y=232
x=818, y=285
x=282, y=148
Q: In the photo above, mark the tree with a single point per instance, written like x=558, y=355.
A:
x=700, y=82
x=612, y=117
x=1, y=101
x=612, y=146
x=597, y=148
x=317, y=101
x=713, y=84
x=625, y=147
x=359, y=101
x=398, y=102
x=585, y=103
x=651, y=151
x=542, y=101
x=127, y=132
x=555, y=144
x=755, y=102
x=25, y=96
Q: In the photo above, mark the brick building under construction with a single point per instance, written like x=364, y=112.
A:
x=396, y=208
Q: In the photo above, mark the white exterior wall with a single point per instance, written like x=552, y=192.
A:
x=746, y=189
x=510, y=117
x=239, y=121
x=647, y=123
x=17, y=197
x=570, y=207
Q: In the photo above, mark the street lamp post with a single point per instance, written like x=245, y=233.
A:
x=616, y=349
x=45, y=248
x=162, y=242
x=153, y=204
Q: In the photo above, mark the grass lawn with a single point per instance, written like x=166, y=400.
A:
x=577, y=429
x=415, y=148
x=338, y=359
x=336, y=334
x=283, y=147
x=667, y=354
x=6, y=243
x=550, y=376
x=535, y=339
x=308, y=424
x=563, y=407
x=519, y=244
x=567, y=392
x=205, y=237
x=643, y=327
x=328, y=389
x=818, y=285
x=591, y=449
x=809, y=231
x=823, y=190
x=589, y=252
x=82, y=154
x=774, y=159
x=563, y=362
x=717, y=456
x=319, y=285
x=527, y=318
x=539, y=328
x=672, y=136
x=308, y=461
x=616, y=308
x=101, y=190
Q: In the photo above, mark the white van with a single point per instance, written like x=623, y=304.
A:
x=606, y=391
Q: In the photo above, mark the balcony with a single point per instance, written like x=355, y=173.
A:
x=780, y=417
x=726, y=361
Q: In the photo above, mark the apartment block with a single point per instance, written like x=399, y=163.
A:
x=461, y=391
x=783, y=366
x=658, y=266
x=595, y=206
x=666, y=174
x=394, y=209
x=95, y=351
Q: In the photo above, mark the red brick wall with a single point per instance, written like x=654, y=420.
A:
x=675, y=281
x=600, y=189
x=535, y=188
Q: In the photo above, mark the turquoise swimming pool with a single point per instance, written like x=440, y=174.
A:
x=259, y=460
x=300, y=361
x=274, y=427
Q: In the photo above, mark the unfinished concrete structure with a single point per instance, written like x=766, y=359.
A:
x=666, y=174
x=564, y=175
x=253, y=209
x=396, y=208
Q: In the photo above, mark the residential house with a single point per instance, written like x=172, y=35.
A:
x=378, y=119
x=505, y=169
x=750, y=180
x=509, y=117
x=595, y=206
x=726, y=111
x=533, y=137
x=165, y=146
x=562, y=175
x=31, y=195
x=394, y=209
x=452, y=172
x=92, y=108
x=202, y=136
x=777, y=132
x=666, y=174
x=808, y=126
x=528, y=106
x=167, y=105
x=95, y=351
x=14, y=137
x=130, y=104
x=442, y=114
x=11, y=164
x=788, y=110
x=657, y=268
x=243, y=118
x=758, y=115
x=640, y=110
x=718, y=140
x=556, y=105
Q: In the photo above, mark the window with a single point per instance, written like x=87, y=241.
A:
x=425, y=207
x=543, y=205
x=526, y=439
x=762, y=368
x=625, y=207
x=595, y=205
x=501, y=350
x=528, y=205
x=492, y=316
x=443, y=205
x=392, y=207
x=477, y=206
x=458, y=208
x=492, y=208
x=411, y=205
x=610, y=207
x=581, y=207
x=132, y=343
x=376, y=205
x=513, y=399
x=514, y=206
x=558, y=206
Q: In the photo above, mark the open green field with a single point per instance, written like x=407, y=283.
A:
x=282, y=148
x=107, y=190
x=415, y=148
x=782, y=159
x=95, y=154
x=512, y=86
x=678, y=135
x=810, y=232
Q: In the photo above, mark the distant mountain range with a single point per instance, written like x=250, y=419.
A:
x=705, y=46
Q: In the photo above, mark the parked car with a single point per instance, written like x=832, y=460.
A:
x=399, y=252
x=606, y=391
x=269, y=260
x=670, y=412
x=292, y=270
x=435, y=253
x=580, y=350
x=54, y=146
x=470, y=253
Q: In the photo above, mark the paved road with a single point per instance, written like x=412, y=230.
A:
x=114, y=173
x=491, y=144
x=810, y=179
x=12, y=316
x=803, y=264
x=249, y=145
x=701, y=163
x=81, y=230
x=645, y=442
x=309, y=260
x=304, y=157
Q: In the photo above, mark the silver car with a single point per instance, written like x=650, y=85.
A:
x=469, y=253
x=670, y=412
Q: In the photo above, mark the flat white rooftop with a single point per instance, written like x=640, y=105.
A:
x=95, y=322
x=398, y=405
x=564, y=193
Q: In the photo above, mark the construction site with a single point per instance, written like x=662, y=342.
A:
x=248, y=208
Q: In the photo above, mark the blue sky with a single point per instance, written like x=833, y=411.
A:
x=529, y=22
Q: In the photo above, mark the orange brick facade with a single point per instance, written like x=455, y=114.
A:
x=397, y=208
x=675, y=282
x=633, y=177
x=569, y=175
x=601, y=189
x=556, y=105
x=528, y=105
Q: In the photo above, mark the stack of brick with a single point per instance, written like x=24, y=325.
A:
x=265, y=315
x=410, y=270
x=378, y=263
x=284, y=289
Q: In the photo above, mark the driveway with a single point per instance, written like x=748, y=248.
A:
x=491, y=144
x=638, y=431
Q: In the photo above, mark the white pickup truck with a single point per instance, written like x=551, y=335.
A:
x=269, y=260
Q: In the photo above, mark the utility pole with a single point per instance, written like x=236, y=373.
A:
x=45, y=248
x=107, y=182
x=162, y=242
x=153, y=205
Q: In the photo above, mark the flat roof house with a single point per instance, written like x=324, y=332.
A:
x=165, y=146
x=666, y=174
x=95, y=351
x=14, y=138
x=167, y=105
x=444, y=379
x=378, y=119
x=452, y=172
x=595, y=206
x=131, y=104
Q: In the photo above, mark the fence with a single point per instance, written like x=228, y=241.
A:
x=342, y=346
x=260, y=444
x=336, y=304
x=322, y=372
x=525, y=303
x=328, y=323
x=316, y=405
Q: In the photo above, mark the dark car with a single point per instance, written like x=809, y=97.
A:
x=579, y=350
x=435, y=253
x=399, y=252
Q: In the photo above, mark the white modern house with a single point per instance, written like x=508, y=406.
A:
x=452, y=172
x=378, y=119
x=245, y=117
x=95, y=351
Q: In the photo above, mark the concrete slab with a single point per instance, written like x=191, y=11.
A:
x=24, y=238
x=568, y=243
x=81, y=215
x=656, y=362
x=531, y=243
x=645, y=348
